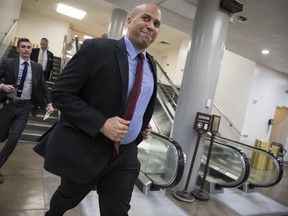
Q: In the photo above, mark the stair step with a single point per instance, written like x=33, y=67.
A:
x=31, y=135
x=38, y=126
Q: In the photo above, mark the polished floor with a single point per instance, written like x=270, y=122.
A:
x=27, y=190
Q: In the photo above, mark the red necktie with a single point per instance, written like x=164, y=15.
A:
x=130, y=107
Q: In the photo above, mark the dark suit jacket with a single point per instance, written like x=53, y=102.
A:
x=92, y=87
x=34, y=57
x=9, y=70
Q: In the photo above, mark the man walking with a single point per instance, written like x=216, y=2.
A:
x=106, y=95
x=23, y=85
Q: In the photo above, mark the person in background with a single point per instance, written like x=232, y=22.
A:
x=44, y=57
x=22, y=84
x=91, y=94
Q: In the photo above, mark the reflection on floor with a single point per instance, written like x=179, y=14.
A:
x=28, y=188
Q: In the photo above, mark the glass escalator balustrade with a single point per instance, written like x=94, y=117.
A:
x=162, y=160
x=266, y=168
x=228, y=165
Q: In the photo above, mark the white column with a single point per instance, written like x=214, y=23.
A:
x=117, y=24
x=200, y=80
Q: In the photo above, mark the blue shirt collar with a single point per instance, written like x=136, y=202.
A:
x=131, y=49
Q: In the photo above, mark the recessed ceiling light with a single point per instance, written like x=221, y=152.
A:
x=70, y=11
x=265, y=51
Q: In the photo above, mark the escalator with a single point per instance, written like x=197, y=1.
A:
x=165, y=106
x=234, y=164
x=162, y=163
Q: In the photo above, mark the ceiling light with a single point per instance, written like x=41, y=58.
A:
x=70, y=11
x=87, y=37
x=265, y=51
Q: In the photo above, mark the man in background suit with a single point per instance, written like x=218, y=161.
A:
x=44, y=57
x=91, y=93
x=22, y=84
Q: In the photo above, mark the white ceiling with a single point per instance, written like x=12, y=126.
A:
x=266, y=25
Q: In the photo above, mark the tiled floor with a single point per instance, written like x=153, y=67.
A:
x=28, y=188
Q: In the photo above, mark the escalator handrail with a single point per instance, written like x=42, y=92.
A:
x=181, y=161
x=246, y=168
x=15, y=21
x=277, y=162
x=176, y=91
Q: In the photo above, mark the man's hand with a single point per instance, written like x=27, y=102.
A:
x=49, y=108
x=8, y=88
x=115, y=128
x=145, y=133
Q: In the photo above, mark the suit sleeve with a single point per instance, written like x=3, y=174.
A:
x=45, y=90
x=67, y=93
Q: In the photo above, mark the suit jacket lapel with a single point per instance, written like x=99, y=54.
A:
x=121, y=56
x=16, y=69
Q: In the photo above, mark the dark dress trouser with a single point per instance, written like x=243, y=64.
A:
x=13, y=116
x=114, y=186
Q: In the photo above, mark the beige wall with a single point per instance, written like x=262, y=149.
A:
x=233, y=90
x=9, y=11
x=35, y=26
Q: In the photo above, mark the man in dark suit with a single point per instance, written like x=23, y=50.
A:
x=44, y=57
x=23, y=85
x=91, y=93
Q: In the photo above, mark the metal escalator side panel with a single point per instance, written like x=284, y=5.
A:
x=162, y=160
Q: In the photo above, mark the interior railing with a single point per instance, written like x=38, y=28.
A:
x=7, y=38
x=68, y=50
x=162, y=160
x=167, y=92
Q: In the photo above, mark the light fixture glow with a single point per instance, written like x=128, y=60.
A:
x=265, y=52
x=70, y=11
x=87, y=37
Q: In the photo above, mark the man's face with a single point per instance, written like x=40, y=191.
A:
x=44, y=45
x=143, y=26
x=24, y=50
